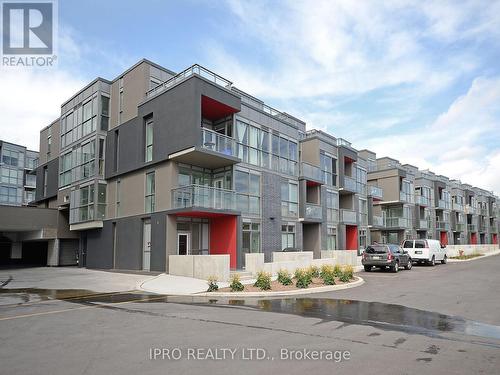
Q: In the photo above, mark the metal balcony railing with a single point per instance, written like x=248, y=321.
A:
x=313, y=211
x=217, y=142
x=459, y=227
x=424, y=224
x=310, y=172
x=350, y=183
x=375, y=192
x=348, y=216
x=204, y=197
x=457, y=206
x=445, y=205
x=192, y=70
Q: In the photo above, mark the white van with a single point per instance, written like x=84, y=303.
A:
x=425, y=251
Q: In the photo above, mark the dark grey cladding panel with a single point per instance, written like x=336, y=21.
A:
x=158, y=241
x=99, y=246
x=52, y=180
x=177, y=125
x=271, y=214
x=347, y=152
x=128, y=247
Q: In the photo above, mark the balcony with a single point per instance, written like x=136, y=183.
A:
x=483, y=211
x=378, y=221
x=348, y=216
x=396, y=222
x=375, y=192
x=493, y=228
x=442, y=225
x=214, y=151
x=422, y=201
x=204, y=197
x=192, y=70
x=311, y=173
x=313, y=212
x=350, y=184
x=443, y=204
x=405, y=197
x=459, y=227
x=482, y=227
x=471, y=228
x=424, y=224
x=457, y=207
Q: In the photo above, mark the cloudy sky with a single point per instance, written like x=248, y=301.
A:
x=418, y=81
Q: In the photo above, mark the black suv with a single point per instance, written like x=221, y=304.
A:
x=386, y=256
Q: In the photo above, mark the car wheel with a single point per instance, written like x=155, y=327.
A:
x=395, y=268
x=445, y=260
x=409, y=265
x=433, y=261
x=368, y=268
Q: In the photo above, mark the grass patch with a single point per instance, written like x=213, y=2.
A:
x=465, y=257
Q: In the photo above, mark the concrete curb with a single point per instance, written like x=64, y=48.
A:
x=471, y=259
x=320, y=289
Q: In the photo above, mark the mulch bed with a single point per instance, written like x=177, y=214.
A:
x=278, y=287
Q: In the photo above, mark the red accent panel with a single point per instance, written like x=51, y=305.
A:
x=312, y=183
x=214, y=110
x=495, y=239
x=444, y=238
x=473, y=238
x=223, y=235
x=351, y=235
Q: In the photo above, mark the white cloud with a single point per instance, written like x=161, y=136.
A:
x=462, y=142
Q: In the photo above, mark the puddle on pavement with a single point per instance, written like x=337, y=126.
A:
x=376, y=314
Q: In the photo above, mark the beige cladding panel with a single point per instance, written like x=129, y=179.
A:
x=165, y=180
x=111, y=199
x=310, y=151
x=390, y=186
x=132, y=189
x=113, y=120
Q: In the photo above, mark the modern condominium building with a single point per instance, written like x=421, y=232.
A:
x=153, y=163
x=18, y=180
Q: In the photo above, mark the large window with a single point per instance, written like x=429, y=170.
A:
x=363, y=211
x=82, y=204
x=254, y=148
x=331, y=238
x=287, y=236
x=332, y=206
x=251, y=238
x=289, y=199
x=81, y=120
x=148, y=152
x=12, y=158
x=10, y=195
x=247, y=185
x=65, y=169
x=329, y=169
x=12, y=176
x=149, y=200
x=104, y=112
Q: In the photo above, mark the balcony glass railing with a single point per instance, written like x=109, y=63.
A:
x=375, y=191
x=310, y=172
x=348, y=216
x=192, y=70
x=471, y=228
x=405, y=197
x=457, y=206
x=482, y=227
x=483, y=211
x=204, y=197
x=378, y=221
x=459, y=227
x=271, y=111
x=493, y=228
x=343, y=142
x=424, y=224
x=396, y=222
x=442, y=225
x=421, y=200
x=214, y=141
x=445, y=205
x=350, y=184
x=313, y=211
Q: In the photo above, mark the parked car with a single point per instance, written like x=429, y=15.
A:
x=386, y=256
x=426, y=251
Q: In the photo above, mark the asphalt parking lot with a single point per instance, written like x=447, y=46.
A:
x=435, y=320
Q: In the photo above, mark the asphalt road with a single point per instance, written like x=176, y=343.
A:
x=432, y=320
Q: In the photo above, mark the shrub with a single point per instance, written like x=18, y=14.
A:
x=263, y=281
x=284, y=277
x=236, y=285
x=344, y=277
x=212, y=284
x=327, y=274
x=313, y=271
x=337, y=270
x=303, y=278
x=349, y=270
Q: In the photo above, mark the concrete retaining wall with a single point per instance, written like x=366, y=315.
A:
x=290, y=261
x=200, y=266
x=454, y=250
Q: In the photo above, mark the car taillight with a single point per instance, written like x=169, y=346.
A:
x=426, y=244
x=389, y=256
x=364, y=255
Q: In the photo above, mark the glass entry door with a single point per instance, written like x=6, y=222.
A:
x=146, y=246
x=183, y=244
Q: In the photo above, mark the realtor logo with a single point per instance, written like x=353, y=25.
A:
x=28, y=33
